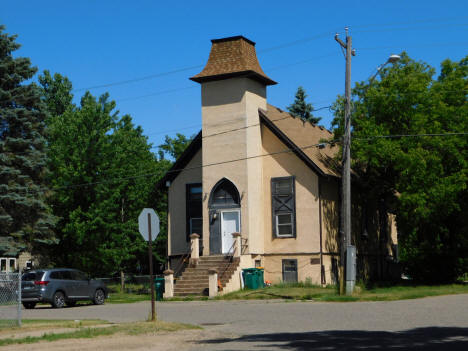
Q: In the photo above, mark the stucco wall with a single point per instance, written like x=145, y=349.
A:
x=306, y=271
x=305, y=247
x=307, y=238
x=23, y=258
x=231, y=133
x=177, y=230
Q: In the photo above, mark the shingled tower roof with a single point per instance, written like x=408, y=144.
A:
x=232, y=57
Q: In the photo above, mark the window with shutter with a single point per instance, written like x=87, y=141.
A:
x=283, y=207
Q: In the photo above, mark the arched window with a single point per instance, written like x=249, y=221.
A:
x=224, y=195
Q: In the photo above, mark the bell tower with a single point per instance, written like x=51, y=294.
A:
x=233, y=88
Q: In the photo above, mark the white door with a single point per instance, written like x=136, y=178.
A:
x=230, y=223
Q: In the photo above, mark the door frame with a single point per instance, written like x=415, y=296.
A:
x=221, y=211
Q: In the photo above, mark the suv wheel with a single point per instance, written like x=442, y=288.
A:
x=58, y=301
x=29, y=305
x=99, y=297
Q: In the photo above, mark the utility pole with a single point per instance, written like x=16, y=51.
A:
x=350, y=256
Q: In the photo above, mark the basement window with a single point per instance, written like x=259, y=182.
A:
x=289, y=271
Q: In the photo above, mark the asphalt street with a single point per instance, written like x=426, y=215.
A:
x=435, y=323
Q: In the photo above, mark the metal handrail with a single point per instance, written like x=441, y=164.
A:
x=181, y=266
x=230, y=255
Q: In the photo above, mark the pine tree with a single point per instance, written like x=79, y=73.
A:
x=302, y=109
x=25, y=219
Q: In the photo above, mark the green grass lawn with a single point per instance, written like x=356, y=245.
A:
x=31, y=324
x=132, y=293
x=306, y=291
x=317, y=293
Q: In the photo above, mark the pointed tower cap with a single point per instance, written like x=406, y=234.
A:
x=232, y=57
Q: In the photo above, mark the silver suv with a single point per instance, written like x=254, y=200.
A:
x=60, y=286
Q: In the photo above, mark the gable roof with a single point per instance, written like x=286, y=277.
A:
x=297, y=135
x=302, y=137
x=182, y=161
x=232, y=57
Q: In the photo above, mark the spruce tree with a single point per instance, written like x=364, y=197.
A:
x=302, y=109
x=25, y=219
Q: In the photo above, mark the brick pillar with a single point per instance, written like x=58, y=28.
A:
x=213, y=282
x=195, y=249
x=168, y=283
x=237, y=245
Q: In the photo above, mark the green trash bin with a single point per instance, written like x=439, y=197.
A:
x=159, y=288
x=261, y=281
x=250, y=278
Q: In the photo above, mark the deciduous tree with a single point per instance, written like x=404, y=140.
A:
x=406, y=152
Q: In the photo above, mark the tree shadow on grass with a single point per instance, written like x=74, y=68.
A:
x=431, y=338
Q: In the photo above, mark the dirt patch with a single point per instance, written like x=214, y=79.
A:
x=162, y=341
x=40, y=331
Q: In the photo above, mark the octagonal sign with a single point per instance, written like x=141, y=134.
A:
x=143, y=223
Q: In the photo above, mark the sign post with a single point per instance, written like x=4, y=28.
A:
x=148, y=223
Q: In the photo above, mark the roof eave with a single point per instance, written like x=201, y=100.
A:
x=182, y=161
x=291, y=145
x=249, y=74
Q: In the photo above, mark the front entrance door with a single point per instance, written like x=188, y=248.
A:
x=230, y=223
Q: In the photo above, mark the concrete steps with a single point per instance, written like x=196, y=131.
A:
x=194, y=280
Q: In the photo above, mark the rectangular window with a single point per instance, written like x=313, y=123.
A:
x=290, y=271
x=194, y=209
x=12, y=264
x=196, y=225
x=283, y=207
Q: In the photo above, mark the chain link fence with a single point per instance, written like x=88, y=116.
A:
x=10, y=300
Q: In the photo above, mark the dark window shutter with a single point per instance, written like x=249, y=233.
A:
x=283, y=207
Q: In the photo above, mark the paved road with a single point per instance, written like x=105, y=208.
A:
x=436, y=323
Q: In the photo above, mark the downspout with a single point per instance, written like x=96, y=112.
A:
x=322, y=275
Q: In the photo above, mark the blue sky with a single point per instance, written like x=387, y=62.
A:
x=99, y=42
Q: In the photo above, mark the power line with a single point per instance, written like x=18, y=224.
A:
x=410, y=28
x=277, y=47
x=332, y=142
x=162, y=74
x=257, y=124
x=139, y=79
x=198, y=126
x=185, y=169
x=392, y=136
x=412, y=46
x=274, y=68
x=296, y=42
x=162, y=92
x=411, y=22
